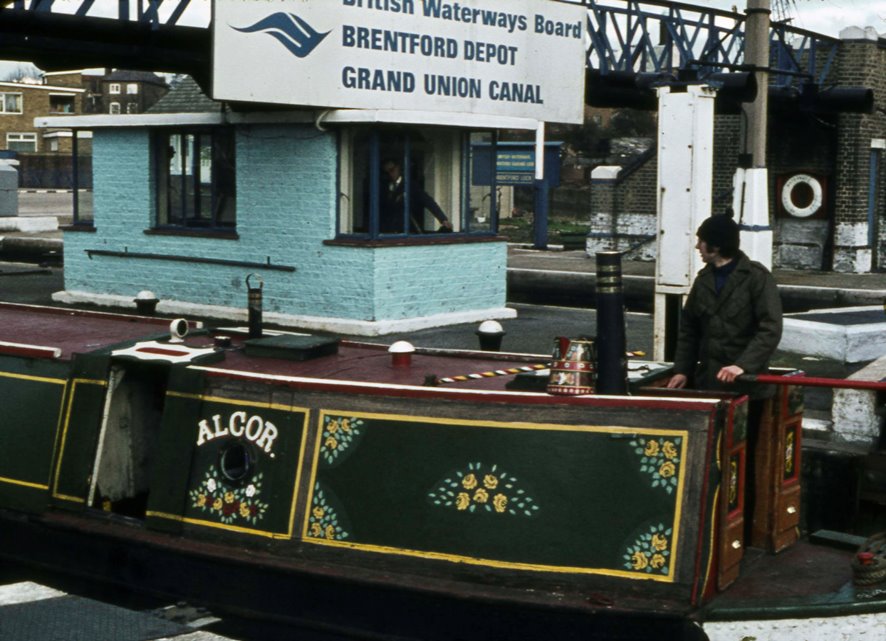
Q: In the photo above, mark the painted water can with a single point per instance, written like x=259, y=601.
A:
x=572, y=367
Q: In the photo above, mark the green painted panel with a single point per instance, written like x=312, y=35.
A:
x=587, y=499
x=81, y=420
x=172, y=470
x=31, y=392
x=245, y=463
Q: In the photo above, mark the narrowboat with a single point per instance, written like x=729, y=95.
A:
x=366, y=491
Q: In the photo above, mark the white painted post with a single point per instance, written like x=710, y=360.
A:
x=750, y=194
x=685, y=176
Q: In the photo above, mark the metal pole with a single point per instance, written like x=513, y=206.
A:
x=757, y=55
x=612, y=363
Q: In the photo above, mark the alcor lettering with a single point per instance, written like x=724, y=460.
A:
x=254, y=427
x=239, y=424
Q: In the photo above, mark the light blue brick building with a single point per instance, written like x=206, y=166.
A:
x=192, y=197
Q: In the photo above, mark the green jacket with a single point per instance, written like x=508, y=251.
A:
x=742, y=326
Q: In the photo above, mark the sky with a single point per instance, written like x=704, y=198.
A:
x=822, y=16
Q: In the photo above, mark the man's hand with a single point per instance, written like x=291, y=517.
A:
x=729, y=373
x=678, y=381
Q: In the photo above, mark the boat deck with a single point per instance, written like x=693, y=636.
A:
x=65, y=332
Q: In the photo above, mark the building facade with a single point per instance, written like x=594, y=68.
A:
x=22, y=102
x=191, y=198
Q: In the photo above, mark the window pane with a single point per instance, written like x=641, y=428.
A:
x=393, y=195
x=61, y=104
x=360, y=193
x=408, y=181
x=196, y=179
x=21, y=142
x=12, y=103
x=481, y=174
x=224, y=184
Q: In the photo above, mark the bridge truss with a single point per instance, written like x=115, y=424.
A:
x=624, y=36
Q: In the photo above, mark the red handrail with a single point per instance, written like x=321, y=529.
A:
x=813, y=381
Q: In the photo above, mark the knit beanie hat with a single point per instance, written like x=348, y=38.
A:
x=722, y=232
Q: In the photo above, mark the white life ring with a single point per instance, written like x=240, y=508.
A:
x=787, y=192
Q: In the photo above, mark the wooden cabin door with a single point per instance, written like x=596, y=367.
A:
x=733, y=455
x=777, y=504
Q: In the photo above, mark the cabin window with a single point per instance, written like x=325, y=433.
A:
x=10, y=103
x=235, y=462
x=195, y=180
x=409, y=183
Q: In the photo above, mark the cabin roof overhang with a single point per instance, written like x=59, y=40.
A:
x=320, y=118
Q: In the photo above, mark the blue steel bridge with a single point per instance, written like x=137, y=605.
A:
x=628, y=43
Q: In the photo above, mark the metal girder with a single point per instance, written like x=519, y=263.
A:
x=655, y=36
x=624, y=36
x=67, y=41
x=147, y=11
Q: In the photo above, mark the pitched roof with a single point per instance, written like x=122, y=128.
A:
x=185, y=96
x=123, y=75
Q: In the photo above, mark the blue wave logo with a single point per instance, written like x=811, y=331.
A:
x=292, y=32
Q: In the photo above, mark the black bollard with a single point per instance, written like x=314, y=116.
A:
x=611, y=345
x=254, y=306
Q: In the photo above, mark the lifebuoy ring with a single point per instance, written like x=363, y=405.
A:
x=802, y=195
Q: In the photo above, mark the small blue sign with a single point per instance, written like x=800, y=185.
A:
x=514, y=163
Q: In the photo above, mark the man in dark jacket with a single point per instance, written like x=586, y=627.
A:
x=731, y=323
x=391, y=210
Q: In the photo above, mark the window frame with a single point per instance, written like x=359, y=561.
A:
x=114, y=88
x=131, y=88
x=222, y=183
x=23, y=136
x=69, y=100
x=457, y=154
x=21, y=102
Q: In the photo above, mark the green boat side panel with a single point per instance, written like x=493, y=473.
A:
x=579, y=498
x=32, y=391
x=171, y=467
x=244, y=463
x=78, y=434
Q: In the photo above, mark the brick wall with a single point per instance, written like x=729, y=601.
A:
x=861, y=63
x=623, y=211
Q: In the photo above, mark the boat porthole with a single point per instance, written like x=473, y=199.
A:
x=802, y=195
x=235, y=461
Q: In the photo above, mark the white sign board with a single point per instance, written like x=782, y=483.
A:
x=520, y=58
